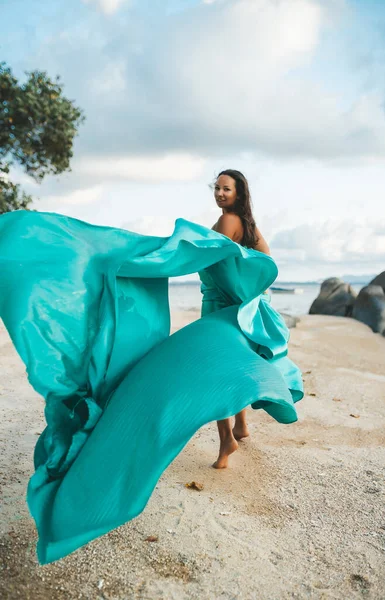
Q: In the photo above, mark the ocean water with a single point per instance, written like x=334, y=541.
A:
x=187, y=296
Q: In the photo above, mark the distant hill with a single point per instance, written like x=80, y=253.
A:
x=359, y=279
x=352, y=279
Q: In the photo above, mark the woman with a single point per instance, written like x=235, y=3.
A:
x=232, y=195
x=87, y=309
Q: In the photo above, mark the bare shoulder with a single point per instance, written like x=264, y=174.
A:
x=230, y=218
x=230, y=225
x=227, y=220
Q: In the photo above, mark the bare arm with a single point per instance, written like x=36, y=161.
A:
x=262, y=245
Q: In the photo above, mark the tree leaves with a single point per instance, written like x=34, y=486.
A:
x=37, y=128
x=11, y=198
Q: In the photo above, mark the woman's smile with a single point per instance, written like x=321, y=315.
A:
x=225, y=191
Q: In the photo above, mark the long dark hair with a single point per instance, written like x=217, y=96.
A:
x=243, y=207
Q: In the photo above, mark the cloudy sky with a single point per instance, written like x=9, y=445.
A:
x=291, y=92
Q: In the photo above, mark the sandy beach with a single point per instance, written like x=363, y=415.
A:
x=299, y=514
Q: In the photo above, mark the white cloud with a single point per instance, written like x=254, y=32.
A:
x=108, y=7
x=179, y=167
x=239, y=73
x=110, y=80
x=77, y=197
x=238, y=77
x=164, y=226
x=348, y=241
x=157, y=226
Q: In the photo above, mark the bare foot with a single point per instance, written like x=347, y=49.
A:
x=240, y=431
x=227, y=447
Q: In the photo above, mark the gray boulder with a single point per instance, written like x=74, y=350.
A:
x=335, y=298
x=379, y=280
x=369, y=307
x=289, y=320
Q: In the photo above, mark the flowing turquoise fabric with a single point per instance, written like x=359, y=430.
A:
x=87, y=310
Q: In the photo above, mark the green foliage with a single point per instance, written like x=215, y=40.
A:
x=11, y=198
x=37, y=128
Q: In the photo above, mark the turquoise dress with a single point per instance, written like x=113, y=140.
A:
x=87, y=310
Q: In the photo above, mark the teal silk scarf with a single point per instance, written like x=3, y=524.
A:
x=87, y=310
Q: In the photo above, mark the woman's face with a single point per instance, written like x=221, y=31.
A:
x=225, y=192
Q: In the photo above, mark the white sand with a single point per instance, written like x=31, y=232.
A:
x=300, y=513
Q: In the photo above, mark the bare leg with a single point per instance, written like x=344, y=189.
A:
x=240, y=429
x=228, y=444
